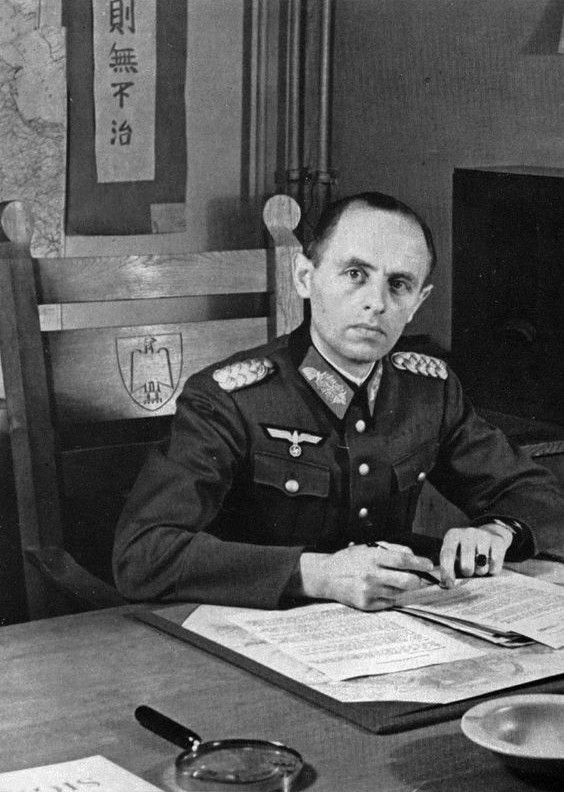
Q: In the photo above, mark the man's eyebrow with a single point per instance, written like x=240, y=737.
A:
x=408, y=276
x=357, y=262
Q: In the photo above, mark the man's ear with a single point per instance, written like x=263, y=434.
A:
x=302, y=269
x=423, y=294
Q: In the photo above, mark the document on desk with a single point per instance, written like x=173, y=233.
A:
x=92, y=772
x=507, y=606
x=497, y=669
x=343, y=643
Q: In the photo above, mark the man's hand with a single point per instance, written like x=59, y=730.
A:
x=464, y=546
x=368, y=578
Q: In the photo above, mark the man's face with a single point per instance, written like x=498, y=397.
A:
x=366, y=287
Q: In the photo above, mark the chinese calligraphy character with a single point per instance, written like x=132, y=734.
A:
x=122, y=16
x=121, y=134
x=123, y=60
x=121, y=91
x=124, y=39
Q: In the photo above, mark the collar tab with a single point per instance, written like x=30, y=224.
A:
x=331, y=387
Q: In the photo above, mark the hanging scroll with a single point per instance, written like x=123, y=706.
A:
x=125, y=61
x=129, y=205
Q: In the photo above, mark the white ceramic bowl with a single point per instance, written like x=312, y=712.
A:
x=525, y=731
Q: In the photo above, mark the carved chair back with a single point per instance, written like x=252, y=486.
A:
x=94, y=352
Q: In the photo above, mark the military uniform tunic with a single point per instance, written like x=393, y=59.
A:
x=273, y=452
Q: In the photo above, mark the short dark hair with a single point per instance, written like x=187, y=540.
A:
x=374, y=200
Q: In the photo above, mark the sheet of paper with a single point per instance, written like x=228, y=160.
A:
x=508, y=602
x=551, y=571
x=92, y=772
x=546, y=628
x=439, y=684
x=344, y=643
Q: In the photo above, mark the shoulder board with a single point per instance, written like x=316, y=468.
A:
x=420, y=364
x=243, y=373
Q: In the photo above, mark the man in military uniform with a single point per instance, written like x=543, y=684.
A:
x=292, y=467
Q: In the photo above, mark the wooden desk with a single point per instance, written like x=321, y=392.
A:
x=69, y=687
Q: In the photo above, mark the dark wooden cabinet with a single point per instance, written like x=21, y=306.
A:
x=508, y=290
x=508, y=313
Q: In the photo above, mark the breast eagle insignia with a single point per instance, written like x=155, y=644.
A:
x=294, y=437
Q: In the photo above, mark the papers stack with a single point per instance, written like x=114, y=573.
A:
x=506, y=638
x=496, y=668
x=342, y=643
x=510, y=609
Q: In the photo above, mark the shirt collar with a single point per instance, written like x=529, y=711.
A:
x=357, y=381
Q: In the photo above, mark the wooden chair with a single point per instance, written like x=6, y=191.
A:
x=94, y=352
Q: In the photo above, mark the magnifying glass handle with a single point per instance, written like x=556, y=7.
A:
x=167, y=728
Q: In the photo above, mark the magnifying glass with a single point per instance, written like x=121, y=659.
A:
x=237, y=765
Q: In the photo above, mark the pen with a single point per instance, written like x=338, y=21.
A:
x=428, y=576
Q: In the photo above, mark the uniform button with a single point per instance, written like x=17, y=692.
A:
x=363, y=469
x=363, y=513
x=292, y=485
x=360, y=426
x=422, y=476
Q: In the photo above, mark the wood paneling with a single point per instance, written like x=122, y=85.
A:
x=77, y=316
x=132, y=277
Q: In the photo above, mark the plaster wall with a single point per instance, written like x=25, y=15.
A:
x=424, y=86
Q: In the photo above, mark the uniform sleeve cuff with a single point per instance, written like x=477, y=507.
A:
x=235, y=573
x=522, y=545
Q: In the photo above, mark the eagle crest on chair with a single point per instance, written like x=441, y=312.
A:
x=150, y=368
